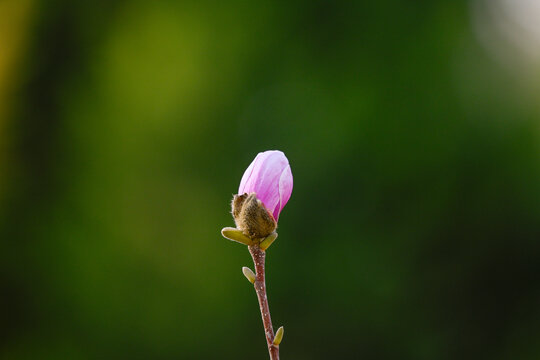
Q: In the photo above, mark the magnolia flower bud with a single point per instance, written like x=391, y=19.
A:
x=264, y=190
x=270, y=177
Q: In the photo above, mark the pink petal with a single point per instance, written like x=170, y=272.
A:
x=285, y=190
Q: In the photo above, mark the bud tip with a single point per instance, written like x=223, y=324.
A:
x=249, y=274
x=279, y=336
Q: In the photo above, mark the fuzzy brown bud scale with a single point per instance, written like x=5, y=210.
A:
x=252, y=217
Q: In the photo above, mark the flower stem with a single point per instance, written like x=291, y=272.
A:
x=258, y=256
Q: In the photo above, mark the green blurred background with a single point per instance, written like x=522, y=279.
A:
x=412, y=129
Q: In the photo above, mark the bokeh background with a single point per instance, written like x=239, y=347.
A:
x=413, y=133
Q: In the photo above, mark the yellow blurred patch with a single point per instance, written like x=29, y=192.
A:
x=14, y=20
